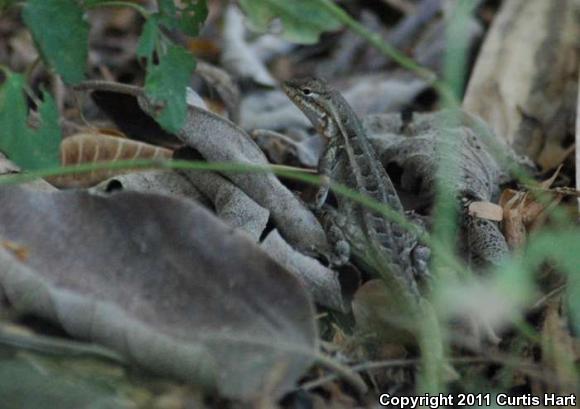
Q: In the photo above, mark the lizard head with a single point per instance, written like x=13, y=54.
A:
x=312, y=96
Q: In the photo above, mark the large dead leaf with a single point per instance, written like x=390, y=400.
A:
x=161, y=281
x=220, y=140
x=524, y=84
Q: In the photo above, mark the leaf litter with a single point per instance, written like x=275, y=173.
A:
x=141, y=266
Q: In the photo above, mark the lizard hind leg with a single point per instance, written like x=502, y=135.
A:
x=420, y=256
x=334, y=224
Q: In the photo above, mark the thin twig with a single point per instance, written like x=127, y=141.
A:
x=530, y=369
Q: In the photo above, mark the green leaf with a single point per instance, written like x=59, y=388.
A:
x=166, y=83
x=27, y=148
x=148, y=38
x=168, y=13
x=303, y=20
x=188, y=17
x=4, y=4
x=61, y=34
x=46, y=141
x=13, y=118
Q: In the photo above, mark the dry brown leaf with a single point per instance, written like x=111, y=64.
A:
x=20, y=251
x=486, y=210
x=523, y=212
x=527, y=94
x=513, y=226
x=546, y=184
x=85, y=148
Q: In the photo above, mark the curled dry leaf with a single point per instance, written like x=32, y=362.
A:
x=161, y=281
x=522, y=208
x=513, y=226
x=320, y=281
x=230, y=202
x=85, y=148
x=220, y=140
x=523, y=212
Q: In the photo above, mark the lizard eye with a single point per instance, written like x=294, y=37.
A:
x=306, y=91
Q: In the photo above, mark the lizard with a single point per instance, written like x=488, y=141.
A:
x=350, y=159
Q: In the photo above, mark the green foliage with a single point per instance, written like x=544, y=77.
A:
x=61, y=34
x=303, y=20
x=166, y=80
x=27, y=381
x=188, y=17
x=149, y=38
x=166, y=84
x=26, y=147
x=4, y=4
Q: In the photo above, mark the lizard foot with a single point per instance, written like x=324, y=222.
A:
x=332, y=223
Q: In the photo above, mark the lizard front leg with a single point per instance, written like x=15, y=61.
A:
x=334, y=221
x=326, y=166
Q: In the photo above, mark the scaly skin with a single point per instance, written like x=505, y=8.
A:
x=350, y=159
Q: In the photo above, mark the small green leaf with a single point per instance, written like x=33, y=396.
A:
x=27, y=148
x=62, y=35
x=148, y=38
x=303, y=20
x=166, y=83
x=46, y=141
x=193, y=16
x=13, y=118
x=168, y=13
x=188, y=17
